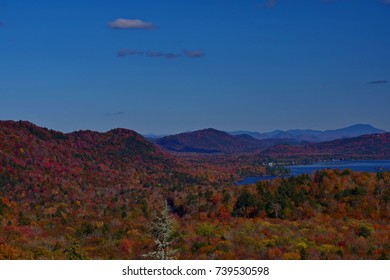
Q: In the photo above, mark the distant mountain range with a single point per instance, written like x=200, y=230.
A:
x=309, y=135
x=216, y=141
x=347, y=141
x=120, y=153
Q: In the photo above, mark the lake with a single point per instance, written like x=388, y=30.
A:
x=361, y=165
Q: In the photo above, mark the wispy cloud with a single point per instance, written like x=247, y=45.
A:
x=114, y=114
x=378, y=82
x=386, y=2
x=162, y=54
x=1, y=23
x=122, y=23
x=129, y=52
x=157, y=54
x=194, y=54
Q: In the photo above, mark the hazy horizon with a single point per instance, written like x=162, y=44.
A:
x=188, y=131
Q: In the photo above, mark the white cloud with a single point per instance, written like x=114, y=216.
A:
x=122, y=23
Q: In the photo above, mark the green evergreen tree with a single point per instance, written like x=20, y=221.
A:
x=244, y=204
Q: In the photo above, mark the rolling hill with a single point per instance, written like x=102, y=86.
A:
x=215, y=141
x=373, y=146
x=36, y=156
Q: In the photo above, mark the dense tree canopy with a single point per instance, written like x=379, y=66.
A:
x=89, y=195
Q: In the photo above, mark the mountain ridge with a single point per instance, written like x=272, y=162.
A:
x=310, y=135
x=371, y=146
x=215, y=141
x=21, y=140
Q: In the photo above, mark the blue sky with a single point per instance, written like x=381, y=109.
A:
x=172, y=66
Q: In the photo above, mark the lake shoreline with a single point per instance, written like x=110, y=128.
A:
x=371, y=166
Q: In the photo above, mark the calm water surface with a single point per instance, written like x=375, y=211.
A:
x=363, y=165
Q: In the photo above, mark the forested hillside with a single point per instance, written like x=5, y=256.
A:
x=212, y=141
x=89, y=195
x=374, y=146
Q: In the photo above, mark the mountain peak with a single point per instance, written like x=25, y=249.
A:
x=122, y=131
x=363, y=127
x=210, y=130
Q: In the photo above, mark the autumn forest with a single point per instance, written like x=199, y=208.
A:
x=92, y=195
